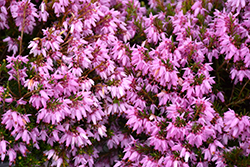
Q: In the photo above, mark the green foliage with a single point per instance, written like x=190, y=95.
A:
x=236, y=158
x=186, y=5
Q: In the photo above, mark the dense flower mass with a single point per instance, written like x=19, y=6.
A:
x=125, y=83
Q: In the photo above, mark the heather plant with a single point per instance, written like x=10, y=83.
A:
x=125, y=83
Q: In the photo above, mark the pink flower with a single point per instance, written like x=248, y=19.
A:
x=43, y=14
x=153, y=4
x=207, y=154
x=138, y=59
x=58, y=8
x=50, y=153
x=169, y=161
x=43, y=135
x=3, y=145
x=236, y=4
x=212, y=147
x=102, y=130
x=12, y=155
x=151, y=31
x=221, y=96
x=12, y=45
x=197, y=6
x=18, y=9
x=26, y=136
x=3, y=16
x=37, y=101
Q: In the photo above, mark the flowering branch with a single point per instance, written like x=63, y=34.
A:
x=125, y=83
x=22, y=30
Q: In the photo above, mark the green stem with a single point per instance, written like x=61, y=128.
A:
x=21, y=39
x=30, y=93
x=232, y=93
x=12, y=93
x=146, y=94
x=224, y=62
x=217, y=72
x=239, y=101
x=243, y=88
x=94, y=69
x=20, y=47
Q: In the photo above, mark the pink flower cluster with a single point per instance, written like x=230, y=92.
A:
x=107, y=83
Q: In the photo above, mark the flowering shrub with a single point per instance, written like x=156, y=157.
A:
x=124, y=83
